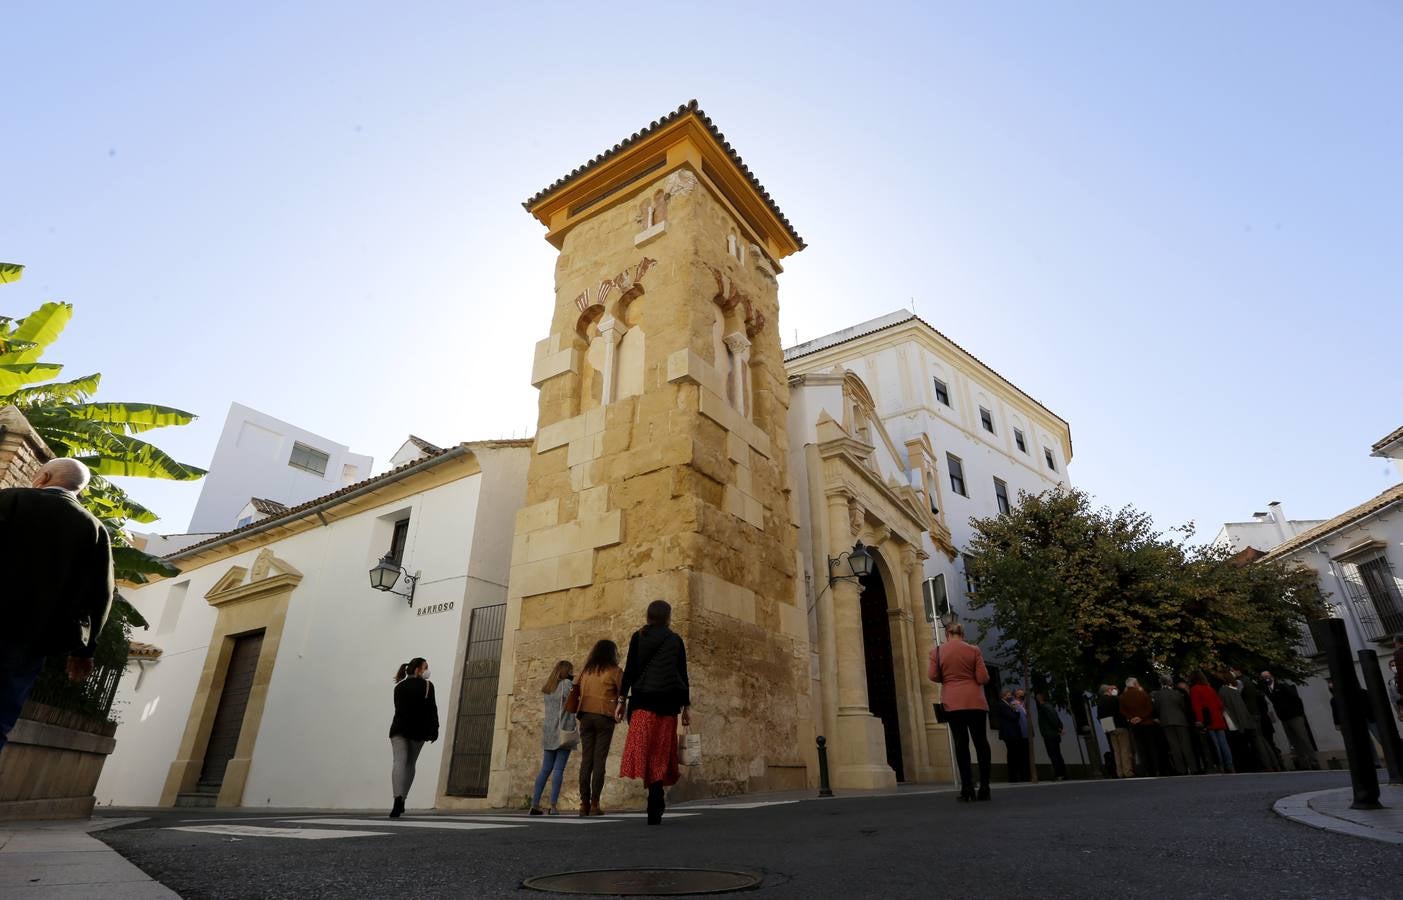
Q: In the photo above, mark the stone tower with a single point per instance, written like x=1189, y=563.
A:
x=660, y=458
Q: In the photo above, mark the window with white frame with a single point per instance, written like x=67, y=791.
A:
x=1001, y=495
x=308, y=459
x=986, y=419
x=1051, y=461
x=942, y=392
x=1020, y=440
x=957, y=474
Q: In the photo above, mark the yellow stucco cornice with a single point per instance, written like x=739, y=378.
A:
x=685, y=138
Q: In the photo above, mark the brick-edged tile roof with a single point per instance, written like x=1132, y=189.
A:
x=1387, y=439
x=688, y=108
x=423, y=444
x=296, y=511
x=1348, y=517
x=139, y=650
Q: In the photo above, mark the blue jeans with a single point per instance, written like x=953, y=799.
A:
x=19, y=668
x=552, y=767
x=1219, y=740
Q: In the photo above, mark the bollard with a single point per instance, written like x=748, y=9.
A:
x=1330, y=636
x=1383, y=714
x=823, y=789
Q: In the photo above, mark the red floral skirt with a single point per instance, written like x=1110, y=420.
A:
x=650, y=753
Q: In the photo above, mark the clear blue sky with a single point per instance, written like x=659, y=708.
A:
x=1180, y=228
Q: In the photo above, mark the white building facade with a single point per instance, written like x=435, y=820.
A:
x=1264, y=531
x=1358, y=558
x=261, y=456
x=274, y=687
x=949, y=427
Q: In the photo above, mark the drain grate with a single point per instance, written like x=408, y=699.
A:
x=645, y=882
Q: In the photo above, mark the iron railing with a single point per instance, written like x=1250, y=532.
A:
x=92, y=697
x=1375, y=597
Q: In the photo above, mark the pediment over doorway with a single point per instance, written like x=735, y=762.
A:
x=268, y=573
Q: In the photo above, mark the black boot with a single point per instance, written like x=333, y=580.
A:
x=983, y=792
x=398, y=809
x=655, y=804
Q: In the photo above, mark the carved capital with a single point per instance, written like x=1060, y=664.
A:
x=856, y=515
x=737, y=343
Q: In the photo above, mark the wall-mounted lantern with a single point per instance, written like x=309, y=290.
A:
x=386, y=574
x=853, y=565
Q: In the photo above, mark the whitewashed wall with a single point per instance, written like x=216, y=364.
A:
x=323, y=741
x=251, y=460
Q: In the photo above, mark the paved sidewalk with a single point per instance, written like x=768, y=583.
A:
x=1329, y=811
x=53, y=860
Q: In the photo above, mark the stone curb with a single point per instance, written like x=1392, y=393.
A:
x=1297, y=808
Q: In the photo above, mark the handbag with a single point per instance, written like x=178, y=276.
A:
x=567, y=728
x=1108, y=724
x=689, y=747
x=940, y=677
x=572, y=699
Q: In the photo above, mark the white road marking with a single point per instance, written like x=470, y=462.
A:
x=515, y=821
x=666, y=815
x=305, y=834
x=401, y=823
x=746, y=805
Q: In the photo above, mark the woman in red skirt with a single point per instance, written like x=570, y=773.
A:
x=656, y=688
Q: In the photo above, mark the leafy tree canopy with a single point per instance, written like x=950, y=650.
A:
x=1079, y=596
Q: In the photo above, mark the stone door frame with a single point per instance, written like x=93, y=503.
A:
x=258, y=604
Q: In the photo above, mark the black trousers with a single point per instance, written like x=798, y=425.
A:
x=1053, y=743
x=1016, y=750
x=596, y=734
x=965, y=724
x=1150, y=759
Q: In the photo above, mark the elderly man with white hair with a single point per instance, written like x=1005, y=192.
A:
x=57, y=561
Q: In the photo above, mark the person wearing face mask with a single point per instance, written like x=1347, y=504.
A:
x=415, y=721
x=1117, y=731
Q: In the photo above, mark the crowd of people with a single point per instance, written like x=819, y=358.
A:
x=1205, y=723
x=651, y=693
x=1219, y=722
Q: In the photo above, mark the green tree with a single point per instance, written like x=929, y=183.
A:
x=1076, y=595
x=102, y=435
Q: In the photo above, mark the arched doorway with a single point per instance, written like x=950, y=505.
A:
x=881, y=671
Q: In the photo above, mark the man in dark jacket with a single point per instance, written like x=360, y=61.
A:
x=1175, y=720
x=1050, y=726
x=1291, y=713
x=57, y=561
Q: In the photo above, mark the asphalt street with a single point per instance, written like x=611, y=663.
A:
x=1199, y=837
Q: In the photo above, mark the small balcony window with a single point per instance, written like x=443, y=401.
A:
x=308, y=459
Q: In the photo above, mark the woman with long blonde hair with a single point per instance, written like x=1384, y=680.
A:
x=556, y=726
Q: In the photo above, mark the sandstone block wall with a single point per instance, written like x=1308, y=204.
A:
x=660, y=471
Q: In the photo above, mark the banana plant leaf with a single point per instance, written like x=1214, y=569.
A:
x=107, y=452
x=129, y=560
x=121, y=606
x=14, y=376
x=130, y=417
x=10, y=272
x=56, y=392
x=40, y=328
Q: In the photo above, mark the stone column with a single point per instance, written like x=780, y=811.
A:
x=860, y=746
x=739, y=345
x=936, y=735
x=610, y=331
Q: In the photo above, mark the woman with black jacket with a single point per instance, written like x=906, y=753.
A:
x=656, y=687
x=415, y=721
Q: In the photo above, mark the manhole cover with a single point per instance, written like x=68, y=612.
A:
x=645, y=882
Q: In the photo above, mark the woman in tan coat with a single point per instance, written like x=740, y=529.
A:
x=600, y=708
x=959, y=668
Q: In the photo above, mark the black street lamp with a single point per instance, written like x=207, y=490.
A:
x=385, y=574
x=858, y=562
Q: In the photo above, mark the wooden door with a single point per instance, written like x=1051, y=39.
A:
x=229, y=716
